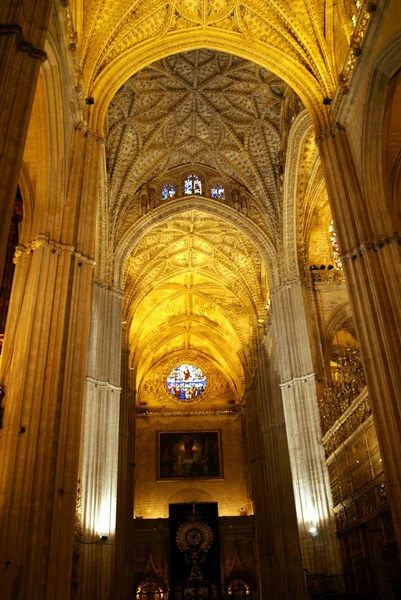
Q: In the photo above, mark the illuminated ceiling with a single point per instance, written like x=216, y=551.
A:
x=200, y=107
x=293, y=38
x=195, y=287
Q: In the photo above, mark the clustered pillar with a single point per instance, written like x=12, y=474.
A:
x=23, y=28
x=99, y=446
x=280, y=562
x=369, y=236
x=43, y=370
x=126, y=471
x=309, y=471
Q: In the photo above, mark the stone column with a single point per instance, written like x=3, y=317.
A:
x=43, y=371
x=369, y=238
x=280, y=562
x=125, y=486
x=23, y=28
x=99, y=445
x=309, y=472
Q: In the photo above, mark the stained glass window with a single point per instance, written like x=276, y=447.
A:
x=192, y=185
x=334, y=245
x=186, y=382
x=217, y=192
x=168, y=191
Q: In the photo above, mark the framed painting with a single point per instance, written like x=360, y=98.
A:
x=189, y=455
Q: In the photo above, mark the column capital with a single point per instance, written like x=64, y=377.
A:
x=286, y=283
x=13, y=29
x=83, y=127
x=329, y=133
x=42, y=241
x=105, y=384
x=375, y=245
x=296, y=380
x=113, y=290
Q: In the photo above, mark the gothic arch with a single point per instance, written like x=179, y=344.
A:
x=340, y=319
x=46, y=142
x=27, y=194
x=175, y=207
x=301, y=128
x=387, y=63
x=123, y=66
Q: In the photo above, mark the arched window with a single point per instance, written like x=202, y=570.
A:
x=217, y=192
x=334, y=245
x=149, y=591
x=192, y=185
x=168, y=191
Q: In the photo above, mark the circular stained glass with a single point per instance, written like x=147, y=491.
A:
x=186, y=382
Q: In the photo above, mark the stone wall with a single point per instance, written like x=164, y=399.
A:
x=152, y=497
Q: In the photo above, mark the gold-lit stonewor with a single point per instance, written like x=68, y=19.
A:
x=181, y=164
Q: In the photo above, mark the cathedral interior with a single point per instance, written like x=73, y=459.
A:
x=200, y=299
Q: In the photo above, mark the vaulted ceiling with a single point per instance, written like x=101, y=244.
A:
x=297, y=39
x=195, y=286
x=201, y=107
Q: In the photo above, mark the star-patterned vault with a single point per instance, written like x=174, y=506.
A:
x=195, y=288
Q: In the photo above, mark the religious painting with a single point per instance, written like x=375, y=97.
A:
x=189, y=455
x=186, y=382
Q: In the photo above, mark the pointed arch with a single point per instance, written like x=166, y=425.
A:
x=123, y=66
x=180, y=205
x=301, y=128
x=386, y=65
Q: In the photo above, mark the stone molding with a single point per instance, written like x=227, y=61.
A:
x=22, y=45
x=286, y=283
x=328, y=133
x=42, y=241
x=295, y=380
x=83, y=126
x=356, y=41
x=292, y=241
x=171, y=412
x=347, y=426
x=113, y=290
x=376, y=245
x=332, y=276
x=101, y=383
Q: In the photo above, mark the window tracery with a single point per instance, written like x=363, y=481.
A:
x=217, y=192
x=186, y=382
x=192, y=185
x=168, y=191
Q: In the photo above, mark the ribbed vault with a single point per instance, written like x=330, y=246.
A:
x=195, y=288
x=200, y=108
x=293, y=38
